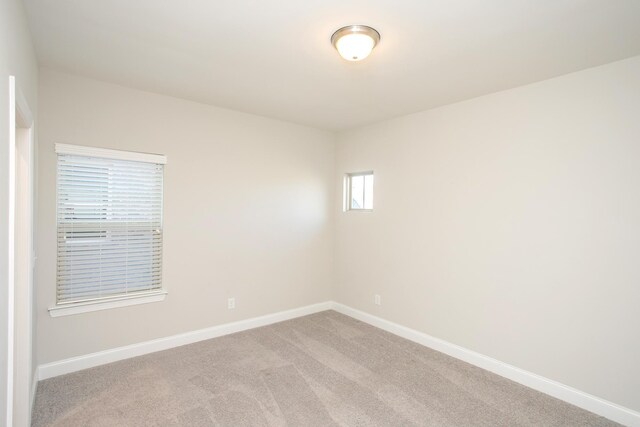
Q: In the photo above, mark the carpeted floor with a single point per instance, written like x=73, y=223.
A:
x=319, y=370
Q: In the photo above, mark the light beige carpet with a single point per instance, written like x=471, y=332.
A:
x=320, y=370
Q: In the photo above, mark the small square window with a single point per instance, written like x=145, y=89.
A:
x=358, y=191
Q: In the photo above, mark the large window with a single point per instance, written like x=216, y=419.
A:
x=358, y=191
x=109, y=225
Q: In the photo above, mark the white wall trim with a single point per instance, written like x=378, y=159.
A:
x=106, y=304
x=560, y=391
x=106, y=153
x=20, y=294
x=34, y=389
x=11, y=250
x=49, y=370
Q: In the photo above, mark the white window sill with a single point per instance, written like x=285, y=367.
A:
x=85, y=307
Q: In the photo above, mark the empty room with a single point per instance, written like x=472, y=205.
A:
x=319, y=213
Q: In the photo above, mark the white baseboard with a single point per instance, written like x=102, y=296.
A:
x=66, y=366
x=560, y=391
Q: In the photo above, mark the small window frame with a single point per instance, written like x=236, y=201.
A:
x=347, y=192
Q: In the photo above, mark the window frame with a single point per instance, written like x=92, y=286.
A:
x=117, y=300
x=347, y=192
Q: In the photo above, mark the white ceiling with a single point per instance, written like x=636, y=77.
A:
x=274, y=58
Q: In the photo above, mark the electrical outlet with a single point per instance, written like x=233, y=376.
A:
x=376, y=299
x=231, y=303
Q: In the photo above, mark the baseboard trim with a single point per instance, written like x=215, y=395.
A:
x=560, y=391
x=66, y=366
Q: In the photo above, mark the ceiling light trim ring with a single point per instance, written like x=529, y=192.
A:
x=356, y=29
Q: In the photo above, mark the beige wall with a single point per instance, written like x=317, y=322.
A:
x=17, y=58
x=507, y=224
x=248, y=211
x=510, y=225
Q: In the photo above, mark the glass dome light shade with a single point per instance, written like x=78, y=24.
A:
x=355, y=42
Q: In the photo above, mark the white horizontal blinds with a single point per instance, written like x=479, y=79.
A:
x=109, y=227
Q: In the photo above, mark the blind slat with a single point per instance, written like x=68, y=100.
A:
x=108, y=272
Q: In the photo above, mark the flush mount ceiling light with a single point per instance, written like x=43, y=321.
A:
x=355, y=42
